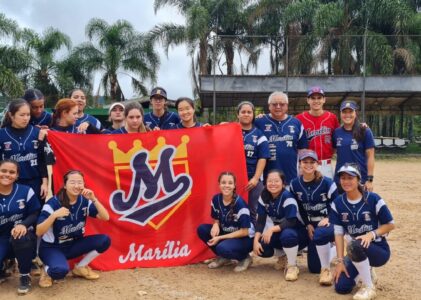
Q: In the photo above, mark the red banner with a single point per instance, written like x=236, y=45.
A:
x=157, y=187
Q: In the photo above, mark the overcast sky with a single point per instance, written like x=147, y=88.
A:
x=71, y=17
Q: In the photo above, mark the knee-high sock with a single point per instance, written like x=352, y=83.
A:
x=291, y=255
x=333, y=253
x=324, y=255
x=363, y=268
x=88, y=258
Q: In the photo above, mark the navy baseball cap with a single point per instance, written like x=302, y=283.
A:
x=350, y=170
x=158, y=91
x=315, y=90
x=349, y=104
x=307, y=154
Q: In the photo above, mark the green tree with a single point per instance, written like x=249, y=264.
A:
x=116, y=50
x=12, y=60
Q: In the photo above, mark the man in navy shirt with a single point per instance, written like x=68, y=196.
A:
x=160, y=117
x=285, y=135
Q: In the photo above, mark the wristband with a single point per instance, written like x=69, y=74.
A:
x=340, y=260
x=374, y=234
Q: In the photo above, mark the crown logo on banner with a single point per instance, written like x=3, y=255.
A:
x=160, y=181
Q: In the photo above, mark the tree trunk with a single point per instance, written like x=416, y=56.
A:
x=203, y=57
x=229, y=55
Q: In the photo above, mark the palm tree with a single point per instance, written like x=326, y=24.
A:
x=44, y=68
x=115, y=50
x=12, y=60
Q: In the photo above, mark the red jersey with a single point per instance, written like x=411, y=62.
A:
x=319, y=132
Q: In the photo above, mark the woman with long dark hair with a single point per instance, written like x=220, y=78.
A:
x=364, y=219
x=256, y=150
x=230, y=235
x=24, y=143
x=279, y=224
x=61, y=225
x=354, y=143
x=19, y=209
x=39, y=116
x=79, y=96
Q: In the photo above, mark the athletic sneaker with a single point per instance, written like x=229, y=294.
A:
x=281, y=263
x=85, y=272
x=45, y=281
x=291, y=273
x=325, y=277
x=24, y=285
x=365, y=293
x=218, y=262
x=244, y=264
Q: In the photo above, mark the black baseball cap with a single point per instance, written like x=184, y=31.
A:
x=158, y=91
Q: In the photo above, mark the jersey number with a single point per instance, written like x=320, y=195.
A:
x=34, y=162
x=250, y=153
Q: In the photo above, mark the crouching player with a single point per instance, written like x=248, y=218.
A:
x=365, y=217
x=62, y=224
x=279, y=224
x=231, y=234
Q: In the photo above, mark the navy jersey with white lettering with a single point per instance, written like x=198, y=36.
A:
x=23, y=146
x=70, y=227
x=16, y=206
x=119, y=131
x=282, y=207
x=44, y=120
x=91, y=120
x=348, y=150
x=231, y=217
x=168, y=120
x=315, y=196
x=256, y=147
x=359, y=217
x=284, y=138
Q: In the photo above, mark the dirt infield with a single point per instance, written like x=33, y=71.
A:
x=397, y=181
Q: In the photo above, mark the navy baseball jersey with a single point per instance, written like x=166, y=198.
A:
x=168, y=120
x=284, y=138
x=23, y=146
x=16, y=206
x=315, y=196
x=256, y=147
x=231, y=217
x=67, y=228
x=359, y=217
x=180, y=126
x=44, y=120
x=283, y=206
x=73, y=129
x=91, y=120
x=348, y=150
x=119, y=131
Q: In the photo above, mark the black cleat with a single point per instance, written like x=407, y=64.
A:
x=25, y=284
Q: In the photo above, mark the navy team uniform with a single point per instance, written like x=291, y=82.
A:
x=65, y=238
x=314, y=199
x=231, y=218
x=348, y=150
x=271, y=212
x=44, y=120
x=180, y=126
x=91, y=120
x=167, y=121
x=21, y=206
x=285, y=139
x=357, y=218
x=255, y=147
x=23, y=146
x=73, y=129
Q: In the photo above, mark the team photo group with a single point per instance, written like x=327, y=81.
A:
x=299, y=201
